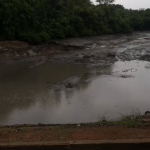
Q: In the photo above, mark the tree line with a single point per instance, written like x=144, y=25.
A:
x=38, y=21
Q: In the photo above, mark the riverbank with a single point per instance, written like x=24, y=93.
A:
x=68, y=133
x=98, y=50
x=90, y=51
x=126, y=127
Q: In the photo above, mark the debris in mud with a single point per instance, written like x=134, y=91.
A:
x=38, y=62
x=147, y=113
x=67, y=84
x=32, y=53
x=132, y=70
x=71, y=82
x=126, y=76
x=103, y=46
x=90, y=46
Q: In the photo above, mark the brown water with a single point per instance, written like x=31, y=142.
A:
x=25, y=97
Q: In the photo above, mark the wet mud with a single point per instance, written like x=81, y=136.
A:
x=90, y=51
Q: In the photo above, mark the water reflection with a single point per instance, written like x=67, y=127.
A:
x=23, y=90
x=25, y=98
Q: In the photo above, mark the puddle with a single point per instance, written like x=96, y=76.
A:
x=26, y=99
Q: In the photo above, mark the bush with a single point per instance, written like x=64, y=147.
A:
x=38, y=21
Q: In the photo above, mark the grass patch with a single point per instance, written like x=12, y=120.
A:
x=133, y=119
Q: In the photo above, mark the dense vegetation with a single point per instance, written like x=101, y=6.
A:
x=41, y=20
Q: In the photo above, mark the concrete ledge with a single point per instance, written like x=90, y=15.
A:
x=80, y=145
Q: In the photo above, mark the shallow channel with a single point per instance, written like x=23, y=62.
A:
x=26, y=97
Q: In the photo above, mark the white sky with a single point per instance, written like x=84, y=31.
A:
x=134, y=4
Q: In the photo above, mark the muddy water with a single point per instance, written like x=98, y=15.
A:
x=25, y=97
x=62, y=93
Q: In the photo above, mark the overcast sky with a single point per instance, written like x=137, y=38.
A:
x=134, y=4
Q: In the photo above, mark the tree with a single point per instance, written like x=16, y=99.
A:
x=37, y=21
x=105, y=1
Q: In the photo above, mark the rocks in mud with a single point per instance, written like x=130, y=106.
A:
x=127, y=55
x=111, y=54
x=146, y=38
x=31, y=53
x=146, y=116
x=126, y=76
x=67, y=84
x=147, y=113
x=71, y=82
x=145, y=57
x=90, y=46
x=136, y=50
x=132, y=70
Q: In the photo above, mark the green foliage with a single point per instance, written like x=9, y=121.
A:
x=38, y=21
x=134, y=119
x=105, y=1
